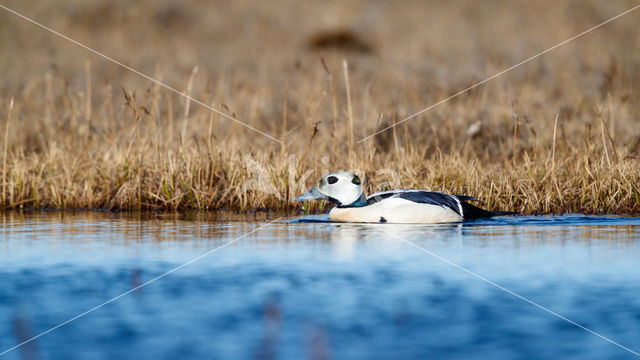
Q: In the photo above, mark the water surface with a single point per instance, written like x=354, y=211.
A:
x=311, y=289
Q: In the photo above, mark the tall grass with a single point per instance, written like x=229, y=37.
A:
x=561, y=134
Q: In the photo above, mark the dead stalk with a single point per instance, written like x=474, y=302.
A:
x=604, y=141
x=553, y=149
x=187, y=104
x=6, y=145
x=345, y=67
x=87, y=106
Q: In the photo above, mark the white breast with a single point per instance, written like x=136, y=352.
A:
x=396, y=210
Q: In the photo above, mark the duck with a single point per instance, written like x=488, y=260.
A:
x=403, y=206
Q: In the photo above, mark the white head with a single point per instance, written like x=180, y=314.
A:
x=341, y=187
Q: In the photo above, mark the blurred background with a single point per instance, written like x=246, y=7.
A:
x=251, y=56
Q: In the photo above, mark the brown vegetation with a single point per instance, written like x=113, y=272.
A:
x=558, y=134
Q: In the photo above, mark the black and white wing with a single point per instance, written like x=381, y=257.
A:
x=454, y=202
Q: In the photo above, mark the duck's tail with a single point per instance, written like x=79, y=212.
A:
x=471, y=212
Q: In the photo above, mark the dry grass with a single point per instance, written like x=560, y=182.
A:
x=559, y=134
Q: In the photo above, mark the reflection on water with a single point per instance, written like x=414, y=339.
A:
x=314, y=289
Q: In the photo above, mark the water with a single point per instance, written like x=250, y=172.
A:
x=312, y=289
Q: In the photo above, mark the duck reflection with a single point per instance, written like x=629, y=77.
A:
x=345, y=238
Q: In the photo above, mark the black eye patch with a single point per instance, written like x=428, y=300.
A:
x=356, y=180
x=332, y=179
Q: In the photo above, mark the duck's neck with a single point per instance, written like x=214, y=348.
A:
x=362, y=201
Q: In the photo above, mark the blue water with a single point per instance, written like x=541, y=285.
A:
x=308, y=289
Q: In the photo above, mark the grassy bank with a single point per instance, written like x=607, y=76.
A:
x=559, y=134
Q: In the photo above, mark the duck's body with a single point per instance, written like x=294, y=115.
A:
x=402, y=206
x=395, y=206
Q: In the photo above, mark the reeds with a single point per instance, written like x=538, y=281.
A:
x=527, y=143
x=130, y=168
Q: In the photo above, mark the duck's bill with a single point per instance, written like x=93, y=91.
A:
x=311, y=194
